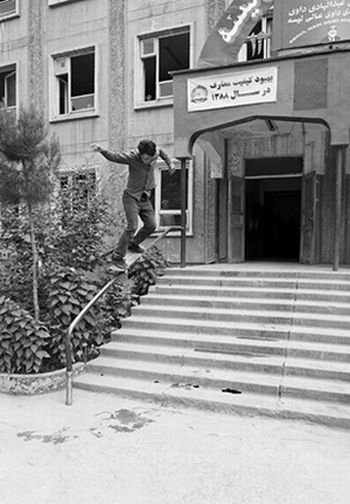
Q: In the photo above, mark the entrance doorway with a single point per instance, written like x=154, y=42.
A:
x=273, y=190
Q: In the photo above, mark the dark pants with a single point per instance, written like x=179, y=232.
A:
x=133, y=210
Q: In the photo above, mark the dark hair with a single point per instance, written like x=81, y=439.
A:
x=147, y=147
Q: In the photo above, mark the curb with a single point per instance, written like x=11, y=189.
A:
x=30, y=384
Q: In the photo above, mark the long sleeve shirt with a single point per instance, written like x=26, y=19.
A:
x=141, y=175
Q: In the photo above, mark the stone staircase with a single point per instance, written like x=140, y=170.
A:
x=246, y=339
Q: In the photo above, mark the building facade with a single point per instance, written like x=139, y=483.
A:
x=259, y=113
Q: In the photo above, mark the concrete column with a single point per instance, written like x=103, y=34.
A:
x=183, y=211
x=35, y=54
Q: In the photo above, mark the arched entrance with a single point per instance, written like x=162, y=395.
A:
x=267, y=188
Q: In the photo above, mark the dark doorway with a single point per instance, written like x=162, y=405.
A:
x=273, y=212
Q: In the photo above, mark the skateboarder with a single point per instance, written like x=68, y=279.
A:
x=136, y=196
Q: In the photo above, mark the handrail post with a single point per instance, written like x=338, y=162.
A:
x=69, y=367
x=183, y=211
x=340, y=158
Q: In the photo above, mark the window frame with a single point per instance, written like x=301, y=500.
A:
x=54, y=3
x=161, y=166
x=73, y=183
x=139, y=91
x=55, y=115
x=11, y=13
x=11, y=68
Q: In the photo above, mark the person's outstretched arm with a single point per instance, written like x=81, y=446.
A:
x=116, y=157
x=168, y=161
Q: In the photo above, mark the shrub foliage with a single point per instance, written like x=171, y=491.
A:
x=23, y=341
x=70, y=275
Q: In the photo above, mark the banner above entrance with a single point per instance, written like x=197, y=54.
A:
x=232, y=89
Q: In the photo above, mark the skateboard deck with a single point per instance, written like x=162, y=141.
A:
x=132, y=257
x=129, y=258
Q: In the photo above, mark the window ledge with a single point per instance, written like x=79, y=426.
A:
x=54, y=3
x=7, y=17
x=171, y=234
x=74, y=117
x=154, y=104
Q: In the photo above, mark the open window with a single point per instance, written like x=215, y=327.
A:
x=258, y=43
x=8, y=8
x=167, y=197
x=160, y=55
x=8, y=87
x=74, y=89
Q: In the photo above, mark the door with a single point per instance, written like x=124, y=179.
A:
x=236, y=206
x=308, y=218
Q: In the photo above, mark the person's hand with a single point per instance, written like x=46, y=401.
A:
x=95, y=147
x=172, y=168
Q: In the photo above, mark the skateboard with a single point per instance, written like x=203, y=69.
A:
x=129, y=258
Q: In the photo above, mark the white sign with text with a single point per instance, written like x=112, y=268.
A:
x=232, y=89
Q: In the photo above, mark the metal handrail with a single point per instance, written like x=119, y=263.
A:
x=68, y=338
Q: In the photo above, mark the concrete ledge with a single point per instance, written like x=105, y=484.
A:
x=27, y=384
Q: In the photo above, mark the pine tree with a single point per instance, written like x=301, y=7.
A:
x=28, y=162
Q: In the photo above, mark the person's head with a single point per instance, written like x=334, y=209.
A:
x=332, y=31
x=148, y=151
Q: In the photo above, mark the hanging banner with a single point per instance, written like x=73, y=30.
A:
x=309, y=22
x=231, y=31
x=232, y=89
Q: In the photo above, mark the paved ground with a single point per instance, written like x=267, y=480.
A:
x=104, y=450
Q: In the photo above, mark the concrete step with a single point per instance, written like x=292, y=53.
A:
x=275, y=364
x=310, y=338
x=273, y=272
x=179, y=375
x=260, y=316
x=222, y=302
x=244, y=346
x=264, y=282
x=247, y=404
x=328, y=296
x=272, y=341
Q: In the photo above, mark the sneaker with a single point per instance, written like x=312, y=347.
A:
x=135, y=248
x=118, y=262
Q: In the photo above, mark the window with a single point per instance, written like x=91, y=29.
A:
x=258, y=43
x=8, y=86
x=161, y=55
x=8, y=7
x=167, y=197
x=74, y=83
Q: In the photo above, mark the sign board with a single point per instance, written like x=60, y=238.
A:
x=232, y=89
x=308, y=22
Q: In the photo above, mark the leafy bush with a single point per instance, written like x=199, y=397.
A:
x=23, y=340
x=76, y=238
x=145, y=270
x=67, y=292
x=17, y=276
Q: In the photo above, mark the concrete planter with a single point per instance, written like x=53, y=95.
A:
x=37, y=383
